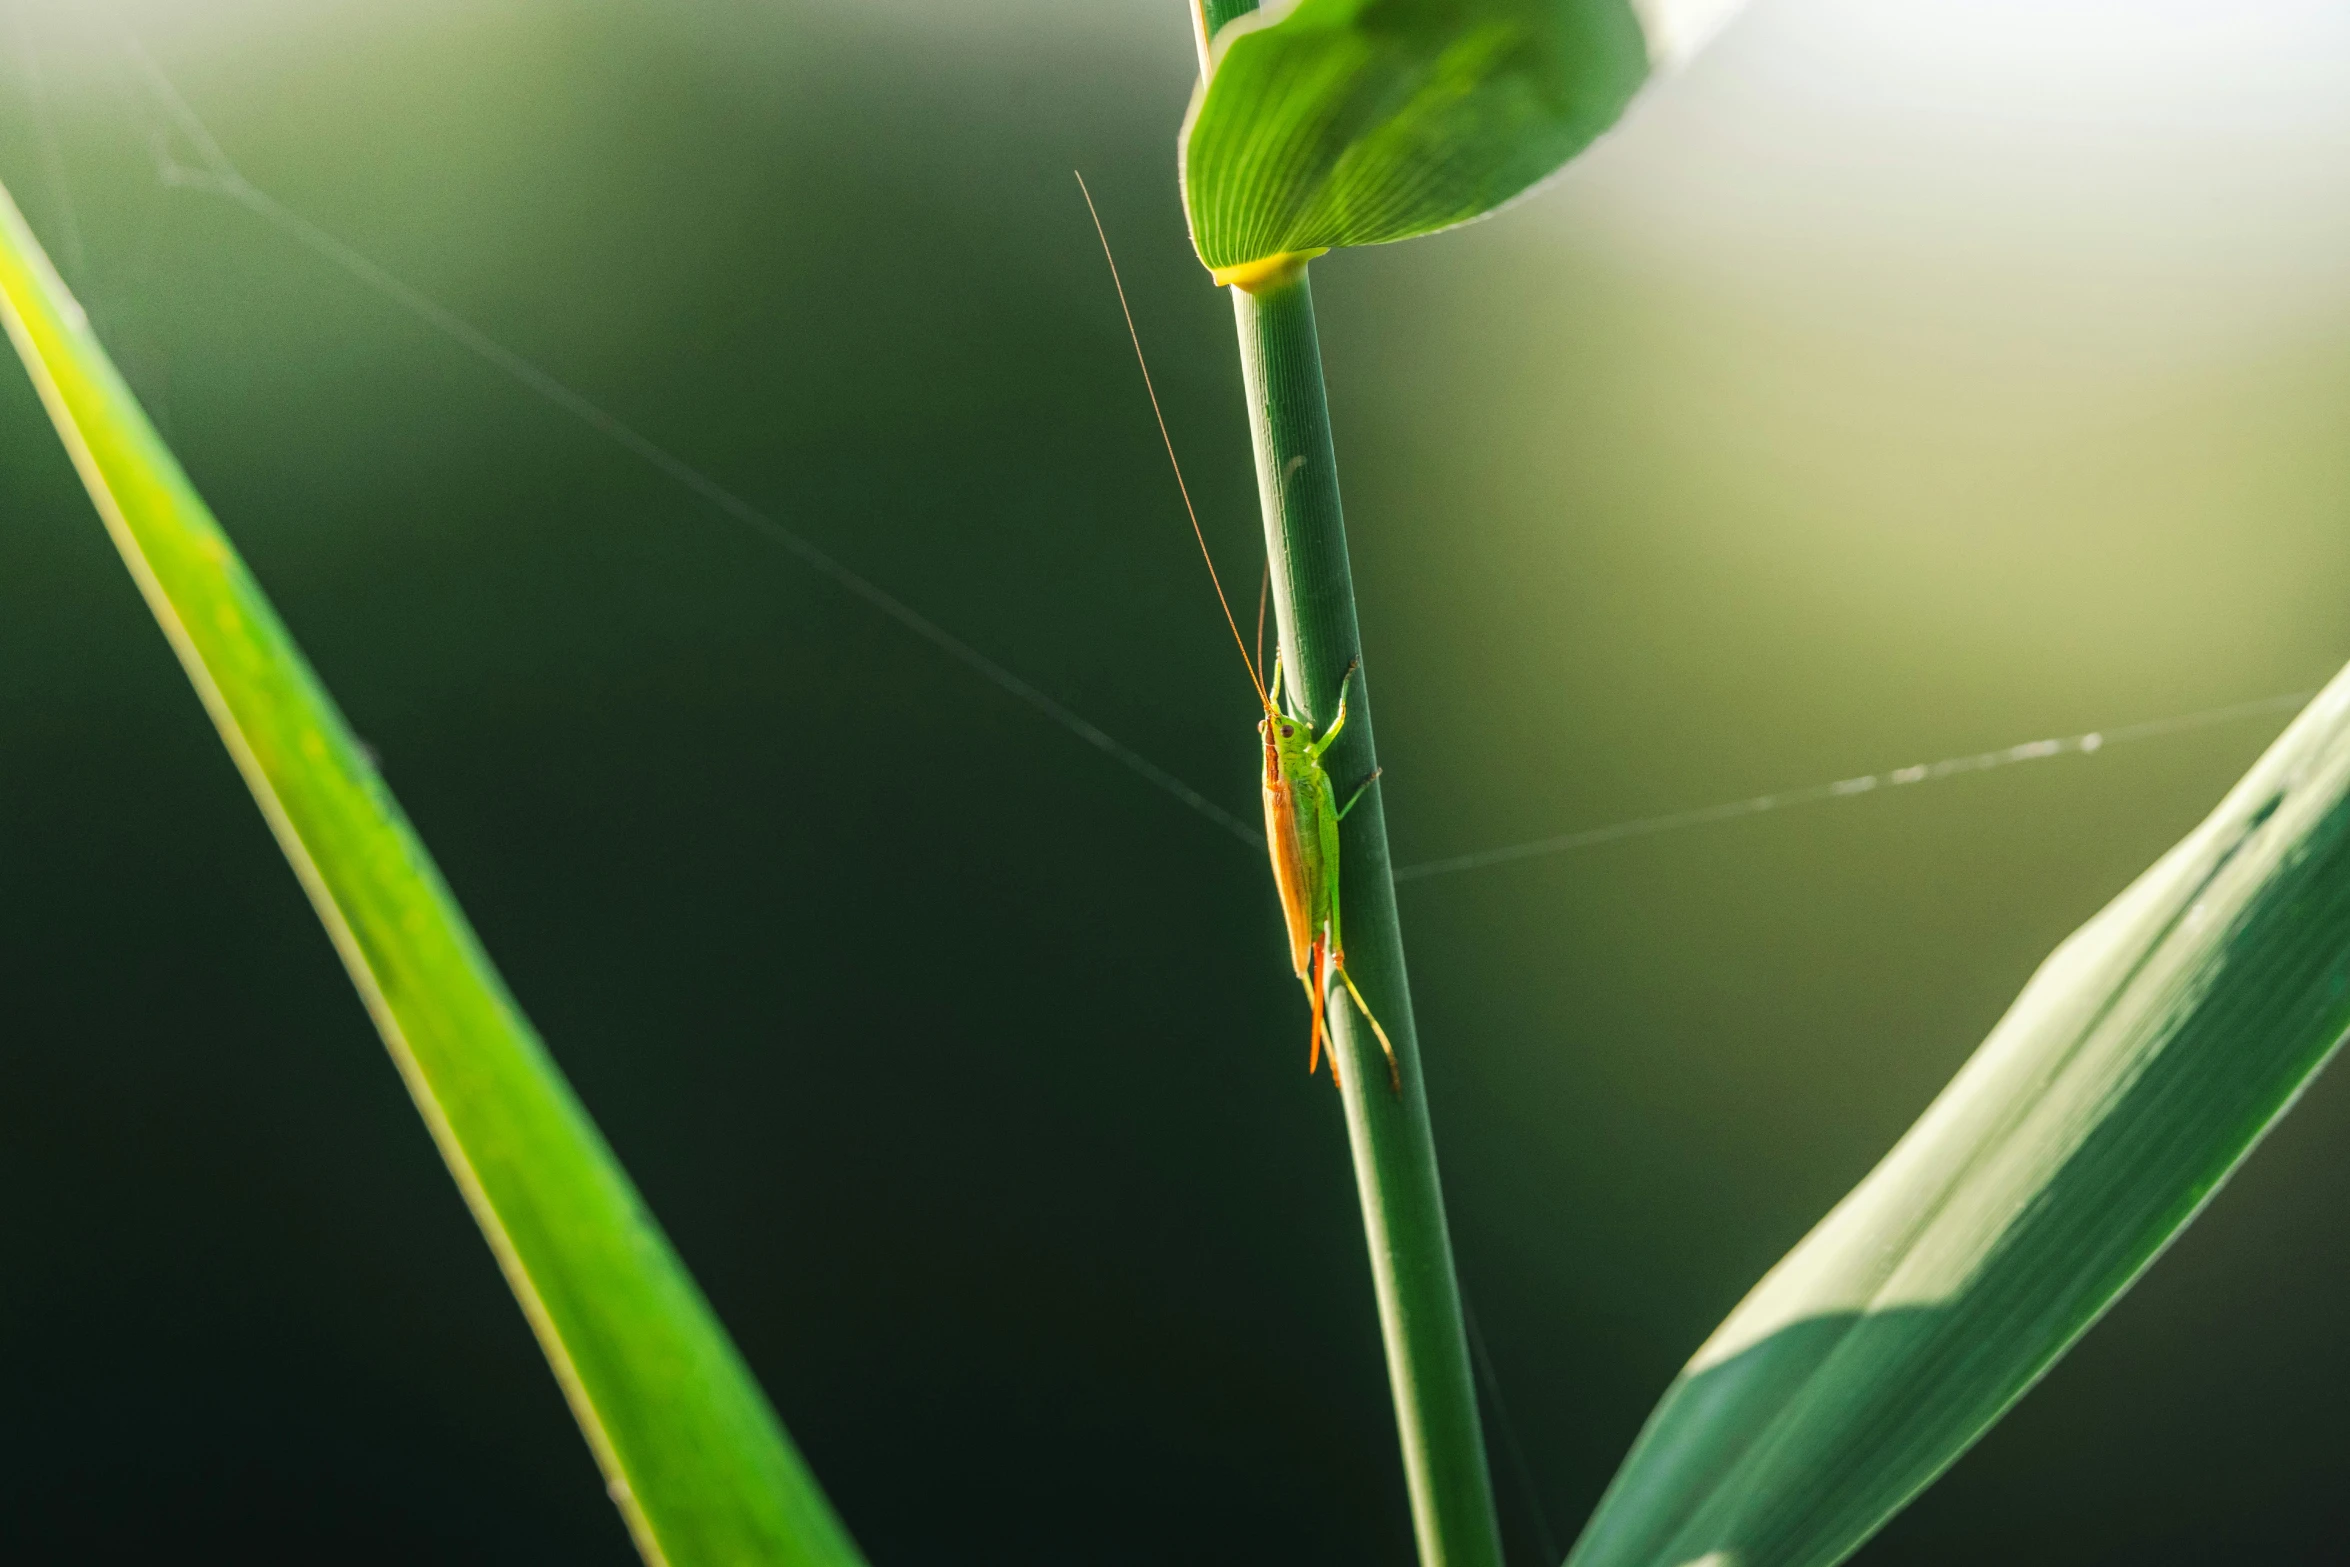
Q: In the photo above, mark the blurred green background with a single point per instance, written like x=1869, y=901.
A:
x=1903, y=380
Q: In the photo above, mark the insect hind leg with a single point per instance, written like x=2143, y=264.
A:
x=1394, y=1073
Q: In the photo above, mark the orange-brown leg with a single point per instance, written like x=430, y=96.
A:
x=1316, y=987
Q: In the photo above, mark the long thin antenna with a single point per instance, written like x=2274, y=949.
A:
x=1254, y=678
x=1264, y=592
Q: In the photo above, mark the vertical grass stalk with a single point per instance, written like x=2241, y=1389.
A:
x=1394, y=1149
x=1393, y=1145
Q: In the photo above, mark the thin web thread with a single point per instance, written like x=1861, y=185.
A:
x=1846, y=788
x=1545, y=1539
x=221, y=177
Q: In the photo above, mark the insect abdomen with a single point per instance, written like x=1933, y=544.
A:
x=1292, y=876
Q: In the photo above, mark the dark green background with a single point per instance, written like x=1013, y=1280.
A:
x=964, y=1068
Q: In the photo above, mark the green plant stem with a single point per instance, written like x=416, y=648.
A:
x=1394, y=1151
x=1393, y=1145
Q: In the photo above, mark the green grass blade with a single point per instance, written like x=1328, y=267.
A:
x=2137, y=1069
x=701, y=1469
x=1357, y=122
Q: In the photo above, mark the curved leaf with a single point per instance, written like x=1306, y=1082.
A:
x=2137, y=1069
x=693, y=1455
x=1355, y=122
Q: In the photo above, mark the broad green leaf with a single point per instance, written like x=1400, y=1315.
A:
x=1323, y=123
x=701, y=1470
x=2137, y=1069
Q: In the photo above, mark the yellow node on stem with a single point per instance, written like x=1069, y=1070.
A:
x=1266, y=272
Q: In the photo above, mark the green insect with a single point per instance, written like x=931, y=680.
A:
x=1302, y=812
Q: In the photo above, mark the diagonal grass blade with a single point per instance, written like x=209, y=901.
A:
x=2138, y=1068
x=696, y=1460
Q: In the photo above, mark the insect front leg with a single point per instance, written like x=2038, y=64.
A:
x=1337, y=719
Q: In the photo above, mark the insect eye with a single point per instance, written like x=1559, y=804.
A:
x=1287, y=732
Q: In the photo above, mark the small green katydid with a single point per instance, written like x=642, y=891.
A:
x=1302, y=812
